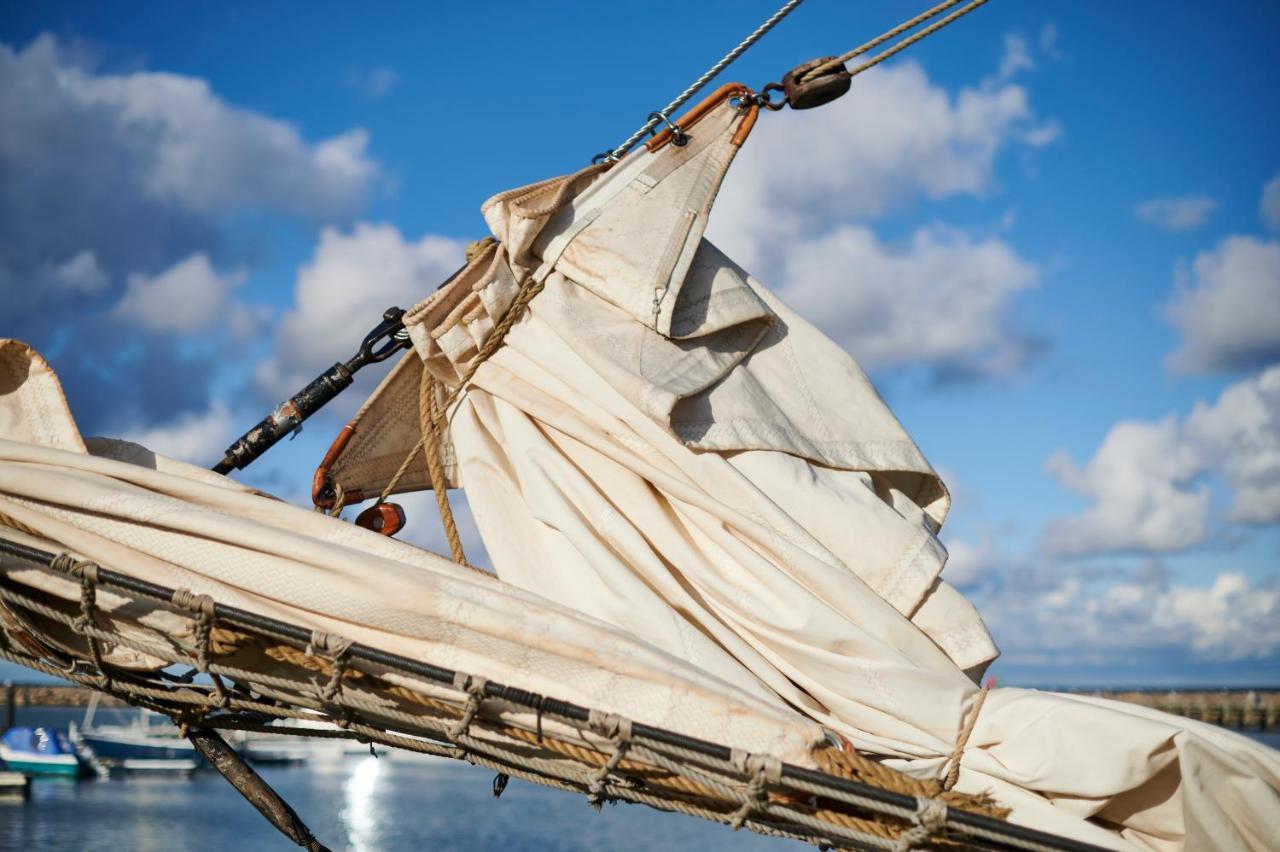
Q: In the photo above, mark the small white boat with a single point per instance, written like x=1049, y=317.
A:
x=136, y=747
x=288, y=746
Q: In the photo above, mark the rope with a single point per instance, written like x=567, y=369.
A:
x=827, y=67
x=618, y=730
x=930, y=819
x=431, y=420
x=953, y=773
x=530, y=288
x=725, y=61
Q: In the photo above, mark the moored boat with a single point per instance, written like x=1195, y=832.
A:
x=135, y=747
x=41, y=751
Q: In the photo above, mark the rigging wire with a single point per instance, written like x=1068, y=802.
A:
x=665, y=113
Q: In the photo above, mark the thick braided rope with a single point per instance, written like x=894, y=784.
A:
x=6, y=521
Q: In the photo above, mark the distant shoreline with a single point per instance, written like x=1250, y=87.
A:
x=55, y=695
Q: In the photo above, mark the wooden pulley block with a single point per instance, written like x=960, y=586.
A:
x=385, y=518
x=823, y=89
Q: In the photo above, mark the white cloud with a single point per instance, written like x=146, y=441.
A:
x=1140, y=482
x=1269, y=207
x=1232, y=619
x=895, y=136
x=1071, y=618
x=195, y=437
x=1239, y=435
x=794, y=209
x=119, y=173
x=1145, y=482
x=188, y=297
x=351, y=279
x=199, y=152
x=1227, y=307
x=969, y=564
x=1183, y=213
x=941, y=299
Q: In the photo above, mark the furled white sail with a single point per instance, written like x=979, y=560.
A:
x=661, y=443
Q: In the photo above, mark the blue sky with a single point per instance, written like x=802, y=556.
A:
x=1051, y=232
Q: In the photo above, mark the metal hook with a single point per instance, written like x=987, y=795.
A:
x=678, y=137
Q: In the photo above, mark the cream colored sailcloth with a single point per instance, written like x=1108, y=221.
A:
x=738, y=536
x=661, y=443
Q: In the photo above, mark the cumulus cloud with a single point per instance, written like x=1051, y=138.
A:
x=351, y=279
x=137, y=170
x=188, y=297
x=1239, y=436
x=1183, y=213
x=968, y=564
x=895, y=136
x=118, y=190
x=1141, y=484
x=1146, y=483
x=1056, y=615
x=182, y=144
x=941, y=299
x=1227, y=307
x=195, y=437
x=1269, y=207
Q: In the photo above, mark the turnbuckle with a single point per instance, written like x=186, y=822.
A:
x=386, y=338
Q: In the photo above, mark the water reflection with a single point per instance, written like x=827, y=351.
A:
x=358, y=815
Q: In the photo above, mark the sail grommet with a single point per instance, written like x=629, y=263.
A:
x=822, y=89
x=678, y=137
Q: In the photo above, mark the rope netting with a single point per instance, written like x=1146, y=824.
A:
x=248, y=671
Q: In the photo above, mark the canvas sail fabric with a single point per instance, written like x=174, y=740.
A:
x=664, y=445
x=184, y=527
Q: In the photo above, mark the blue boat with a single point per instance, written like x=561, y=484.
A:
x=41, y=751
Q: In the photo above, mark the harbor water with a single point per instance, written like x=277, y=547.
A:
x=399, y=802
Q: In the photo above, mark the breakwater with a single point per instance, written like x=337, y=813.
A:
x=1234, y=708
x=50, y=695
